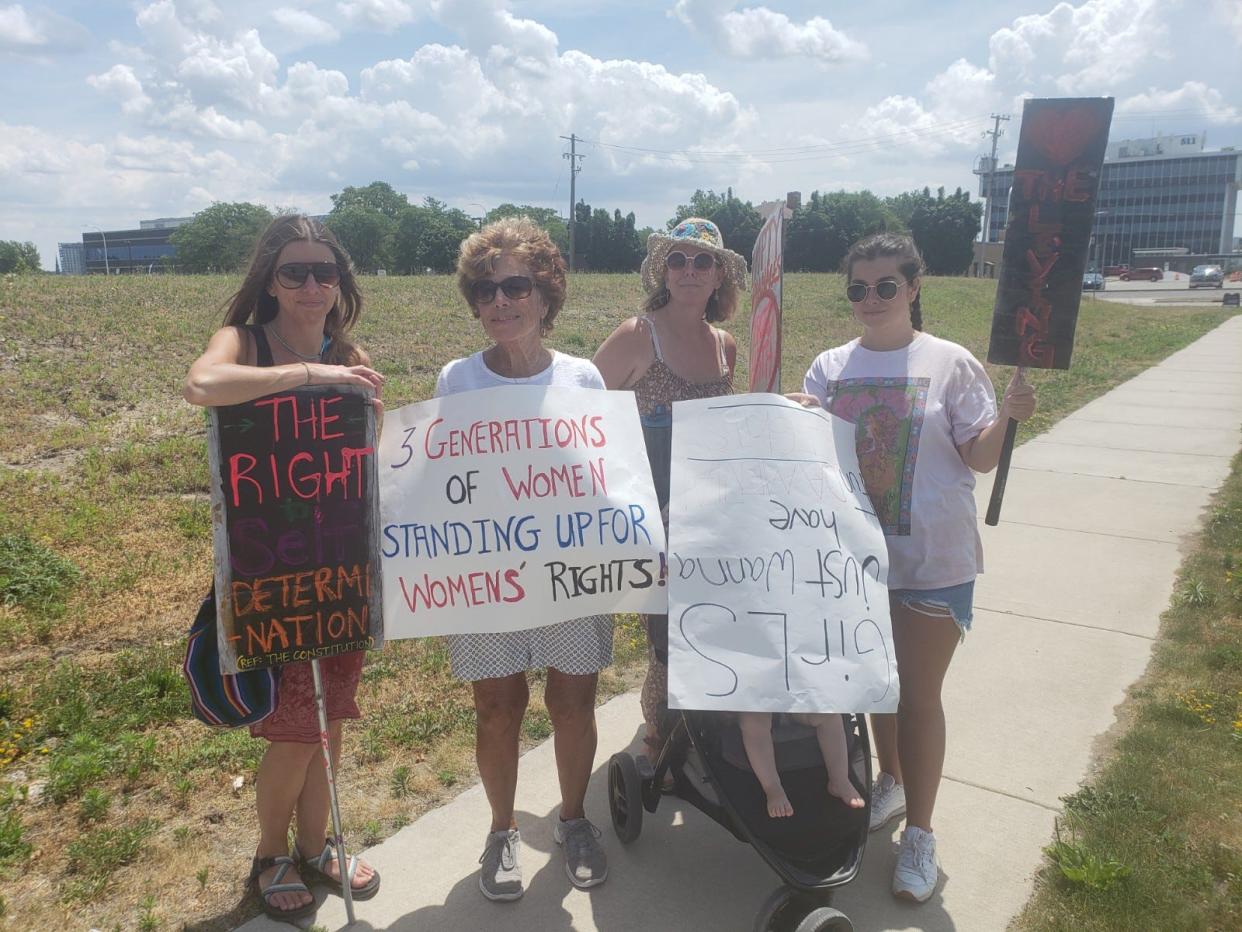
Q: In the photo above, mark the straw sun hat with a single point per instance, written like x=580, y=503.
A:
x=693, y=231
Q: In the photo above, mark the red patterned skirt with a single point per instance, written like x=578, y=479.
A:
x=295, y=718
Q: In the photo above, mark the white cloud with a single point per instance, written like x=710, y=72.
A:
x=1193, y=97
x=120, y=83
x=304, y=26
x=1231, y=12
x=18, y=30
x=385, y=15
x=758, y=32
x=1083, y=49
x=38, y=31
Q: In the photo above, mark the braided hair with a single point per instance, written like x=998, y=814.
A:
x=900, y=247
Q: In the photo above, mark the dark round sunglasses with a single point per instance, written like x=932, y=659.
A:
x=515, y=286
x=886, y=290
x=702, y=261
x=294, y=274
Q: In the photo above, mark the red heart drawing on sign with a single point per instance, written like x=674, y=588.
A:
x=1061, y=134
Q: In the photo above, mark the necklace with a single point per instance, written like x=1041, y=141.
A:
x=312, y=357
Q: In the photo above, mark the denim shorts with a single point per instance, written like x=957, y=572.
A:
x=958, y=600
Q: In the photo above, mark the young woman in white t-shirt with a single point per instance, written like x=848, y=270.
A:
x=926, y=421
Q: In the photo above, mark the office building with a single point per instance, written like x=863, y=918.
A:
x=1164, y=197
x=72, y=259
x=123, y=251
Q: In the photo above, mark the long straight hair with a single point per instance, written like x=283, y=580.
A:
x=253, y=303
x=898, y=246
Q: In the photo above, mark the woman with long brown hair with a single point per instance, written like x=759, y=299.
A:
x=287, y=326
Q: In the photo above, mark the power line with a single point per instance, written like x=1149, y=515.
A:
x=795, y=154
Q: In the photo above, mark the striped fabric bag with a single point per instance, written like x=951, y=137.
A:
x=225, y=700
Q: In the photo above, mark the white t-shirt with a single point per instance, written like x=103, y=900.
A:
x=912, y=408
x=471, y=372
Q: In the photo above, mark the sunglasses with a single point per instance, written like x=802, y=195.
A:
x=886, y=290
x=294, y=274
x=702, y=261
x=516, y=286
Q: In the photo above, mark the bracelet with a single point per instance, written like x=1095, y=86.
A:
x=308, y=375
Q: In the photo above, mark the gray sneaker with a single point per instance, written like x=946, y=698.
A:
x=585, y=861
x=501, y=876
x=888, y=800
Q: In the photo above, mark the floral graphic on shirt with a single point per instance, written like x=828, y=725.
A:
x=888, y=414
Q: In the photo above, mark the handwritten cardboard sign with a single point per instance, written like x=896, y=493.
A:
x=1051, y=211
x=767, y=267
x=517, y=507
x=778, y=598
x=295, y=518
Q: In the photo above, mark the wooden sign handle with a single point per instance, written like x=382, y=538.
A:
x=1002, y=475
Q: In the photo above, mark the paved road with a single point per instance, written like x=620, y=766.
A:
x=1162, y=292
x=1079, y=571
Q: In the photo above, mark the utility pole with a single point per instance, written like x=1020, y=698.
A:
x=995, y=132
x=574, y=168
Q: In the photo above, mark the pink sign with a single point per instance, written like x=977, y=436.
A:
x=765, y=295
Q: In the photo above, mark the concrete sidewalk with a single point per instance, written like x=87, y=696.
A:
x=1079, y=571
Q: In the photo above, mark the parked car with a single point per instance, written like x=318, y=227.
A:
x=1093, y=281
x=1147, y=273
x=1210, y=276
x=1116, y=270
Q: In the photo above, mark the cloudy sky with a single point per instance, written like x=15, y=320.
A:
x=120, y=111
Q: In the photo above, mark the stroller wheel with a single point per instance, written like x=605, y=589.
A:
x=825, y=919
x=625, y=797
x=781, y=911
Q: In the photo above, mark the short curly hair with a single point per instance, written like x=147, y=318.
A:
x=525, y=241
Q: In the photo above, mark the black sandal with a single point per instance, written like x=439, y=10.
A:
x=314, y=870
x=282, y=863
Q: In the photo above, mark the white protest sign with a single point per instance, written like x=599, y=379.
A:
x=516, y=507
x=777, y=563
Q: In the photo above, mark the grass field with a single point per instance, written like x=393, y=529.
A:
x=1152, y=842
x=116, y=808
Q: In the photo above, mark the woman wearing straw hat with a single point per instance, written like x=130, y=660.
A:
x=673, y=353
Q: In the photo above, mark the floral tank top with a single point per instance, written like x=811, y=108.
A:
x=655, y=393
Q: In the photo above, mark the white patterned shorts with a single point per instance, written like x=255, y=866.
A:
x=576, y=647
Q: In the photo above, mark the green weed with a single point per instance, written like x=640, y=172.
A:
x=399, y=782
x=94, y=805
x=147, y=921
x=33, y=575
x=537, y=725
x=94, y=856
x=12, y=846
x=83, y=760
x=1195, y=593
x=1080, y=866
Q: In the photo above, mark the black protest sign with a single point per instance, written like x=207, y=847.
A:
x=1051, y=209
x=295, y=515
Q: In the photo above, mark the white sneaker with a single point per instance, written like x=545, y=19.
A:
x=888, y=800
x=916, y=873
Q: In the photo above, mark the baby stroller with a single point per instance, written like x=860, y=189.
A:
x=814, y=851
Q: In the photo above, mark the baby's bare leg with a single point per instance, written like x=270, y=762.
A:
x=757, y=739
x=831, y=734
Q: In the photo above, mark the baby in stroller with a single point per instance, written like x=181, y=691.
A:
x=756, y=728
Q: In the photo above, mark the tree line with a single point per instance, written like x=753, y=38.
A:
x=18, y=258
x=381, y=229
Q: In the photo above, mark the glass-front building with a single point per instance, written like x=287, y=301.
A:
x=72, y=259
x=1155, y=194
x=125, y=251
